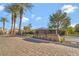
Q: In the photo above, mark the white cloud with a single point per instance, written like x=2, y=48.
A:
x=2, y=8
x=32, y=16
x=73, y=25
x=38, y=18
x=25, y=19
x=69, y=8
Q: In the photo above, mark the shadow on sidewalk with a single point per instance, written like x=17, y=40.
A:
x=69, y=44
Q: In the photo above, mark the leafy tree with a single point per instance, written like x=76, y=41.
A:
x=28, y=28
x=70, y=30
x=30, y=25
x=77, y=27
x=58, y=21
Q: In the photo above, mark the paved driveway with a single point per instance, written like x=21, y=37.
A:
x=18, y=46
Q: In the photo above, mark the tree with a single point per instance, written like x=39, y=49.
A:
x=58, y=21
x=70, y=30
x=22, y=7
x=77, y=27
x=28, y=28
x=17, y=9
x=14, y=22
x=13, y=10
x=3, y=20
x=30, y=25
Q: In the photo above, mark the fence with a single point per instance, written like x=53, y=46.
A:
x=46, y=34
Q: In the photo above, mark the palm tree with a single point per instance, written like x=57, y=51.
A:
x=3, y=20
x=23, y=7
x=18, y=9
x=13, y=10
x=15, y=15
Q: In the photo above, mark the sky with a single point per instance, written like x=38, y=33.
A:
x=39, y=14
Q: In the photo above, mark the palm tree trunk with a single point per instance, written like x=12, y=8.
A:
x=14, y=29
x=3, y=27
x=12, y=25
x=20, y=25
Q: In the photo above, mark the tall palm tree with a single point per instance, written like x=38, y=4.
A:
x=3, y=20
x=15, y=15
x=13, y=10
x=18, y=9
x=23, y=7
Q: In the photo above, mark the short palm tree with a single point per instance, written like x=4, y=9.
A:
x=3, y=20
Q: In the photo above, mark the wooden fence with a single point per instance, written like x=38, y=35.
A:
x=46, y=34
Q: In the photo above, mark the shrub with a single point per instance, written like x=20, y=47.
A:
x=62, y=32
x=62, y=39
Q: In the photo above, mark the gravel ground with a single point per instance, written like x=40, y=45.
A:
x=15, y=46
x=72, y=38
